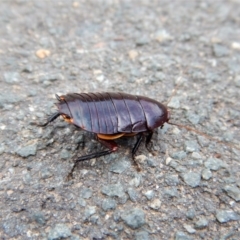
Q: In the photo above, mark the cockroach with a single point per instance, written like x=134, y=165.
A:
x=111, y=115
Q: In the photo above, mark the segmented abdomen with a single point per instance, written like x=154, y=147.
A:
x=110, y=112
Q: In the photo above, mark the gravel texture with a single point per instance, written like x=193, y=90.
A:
x=185, y=54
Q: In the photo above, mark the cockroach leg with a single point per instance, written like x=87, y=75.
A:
x=107, y=143
x=148, y=140
x=134, y=150
x=50, y=119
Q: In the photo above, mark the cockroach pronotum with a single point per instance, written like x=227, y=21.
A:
x=112, y=115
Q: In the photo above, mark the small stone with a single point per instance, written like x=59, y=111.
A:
x=237, y=81
x=27, y=68
x=149, y=194
x=226, y=216
x=201, y=223
x=86, y=193
x=191, y=146
x=189, y=228
x=142, y=235
x=89, y=211
x=59, y=231
x=162, y=36
x=179, y=155
x=170, y=192
x=133, y=54
x=132, y=194
x=220, y=50
x=29, y=150
x=159, y=76
x=235, y=45
x=42, y=53
x=39, y=218
x=172, y=180
x=134, y=218
x=215, y=164
x=51, y=77
x=196, y=155
x=192, y=178
x=82, y=202
x=174, y=103
x=119, y=166
x=155, y=204
x=206, y=174
x=177, y=167
x=142, y=40
x=136, y=181
x=182, y=236
x=233, y=192
x=64, y=154
x=45, y=173
x=108, y=204
x=152, y=163
x=193, y=118
x=191, y=213
x=11, y=77
x=113, y=190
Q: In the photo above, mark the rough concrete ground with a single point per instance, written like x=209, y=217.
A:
x=190, y=187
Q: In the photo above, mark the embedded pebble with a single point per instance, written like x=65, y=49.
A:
x=89, y=211
x=26, y=151
x=179, y=155
x=11, y=77
x=86, y=193
x=65, y=154
x=42, y=53
x=149, y=194
x=191, y=214
x=191, y=146
x=193, y=118
x=182, y=236
x=108, y=204
x=191, y=178
x=220, y=50
x=214, y=164
x=206, y=174
x=155, y=204
x=132, y=194
x=134, y=218
x=113, y=190
x=233, y=192
x=227, y=215
x=119, y=166
x=159, y=76
x=59, y=231
x=45, y=173
x=142, y=40
x=202, y=222
x=189, y=228
x=170, y=192
x=142, y=235
x=174, y=103
x=172, y=180
x=39, y=218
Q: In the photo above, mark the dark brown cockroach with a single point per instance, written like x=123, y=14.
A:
x=111, y=115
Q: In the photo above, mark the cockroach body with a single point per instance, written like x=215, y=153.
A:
x=111, y=115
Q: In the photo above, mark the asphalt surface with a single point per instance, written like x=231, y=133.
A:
x=185, y=54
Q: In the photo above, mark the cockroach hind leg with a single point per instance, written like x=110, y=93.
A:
x=148, y=142
x=50, y=119
x=134, y=150
x=107, y=143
